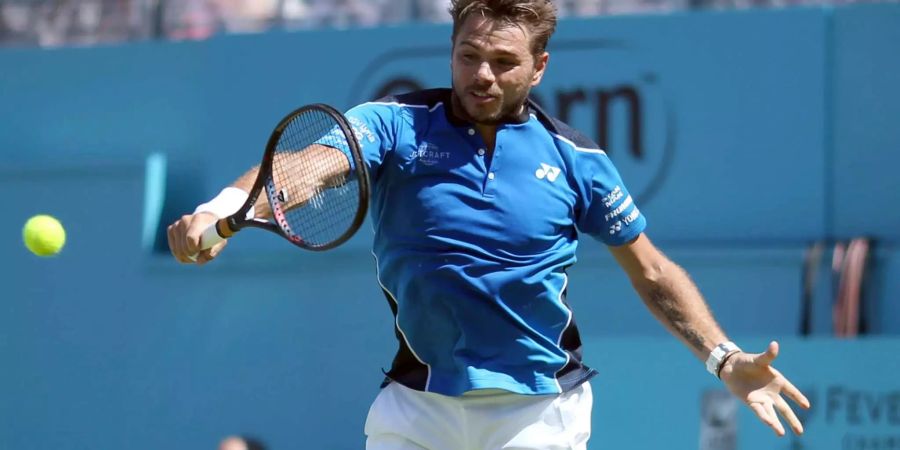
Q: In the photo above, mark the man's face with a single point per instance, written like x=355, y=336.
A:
x=493, y=68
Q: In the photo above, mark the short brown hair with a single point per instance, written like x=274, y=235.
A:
x=538, y=15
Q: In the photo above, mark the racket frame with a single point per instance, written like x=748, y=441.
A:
x=228, y=226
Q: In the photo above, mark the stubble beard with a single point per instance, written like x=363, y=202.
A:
x=506, y=113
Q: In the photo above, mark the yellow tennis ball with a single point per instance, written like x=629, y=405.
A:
x=44, y=235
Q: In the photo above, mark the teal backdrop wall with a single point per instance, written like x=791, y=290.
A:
x=744, y=135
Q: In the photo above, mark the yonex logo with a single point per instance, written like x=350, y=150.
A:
x=547, y=171
x=616, y=227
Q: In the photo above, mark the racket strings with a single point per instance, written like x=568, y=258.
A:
x=317, y=197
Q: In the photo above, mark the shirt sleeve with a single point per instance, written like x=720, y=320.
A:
x=375, y=127
x=608, y=212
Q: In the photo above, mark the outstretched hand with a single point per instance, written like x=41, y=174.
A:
x=751, y=378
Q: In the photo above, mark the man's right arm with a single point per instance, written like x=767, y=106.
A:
x=375, y=127
x=331, y=169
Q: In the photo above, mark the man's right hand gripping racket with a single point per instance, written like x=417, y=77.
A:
x=315, y=179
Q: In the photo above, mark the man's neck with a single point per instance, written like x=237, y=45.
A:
x=488, y=134
x=488, y=131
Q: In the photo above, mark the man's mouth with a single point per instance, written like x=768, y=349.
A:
x=482, y=96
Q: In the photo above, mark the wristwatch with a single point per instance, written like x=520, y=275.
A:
x=717, y=356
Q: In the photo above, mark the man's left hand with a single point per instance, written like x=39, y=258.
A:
x=752, y=379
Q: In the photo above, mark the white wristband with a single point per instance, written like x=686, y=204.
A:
x=226, y=203
x=716, y=357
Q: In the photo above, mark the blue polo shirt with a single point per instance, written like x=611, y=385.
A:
x=472, y=252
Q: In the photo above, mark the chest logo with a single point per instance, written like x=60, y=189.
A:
x=547, y=171
x=429, y=154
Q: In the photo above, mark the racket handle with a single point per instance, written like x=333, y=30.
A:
x=209, y=238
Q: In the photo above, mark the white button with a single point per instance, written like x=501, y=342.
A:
x=481, y=152
x=491, y=176
x=471, y=132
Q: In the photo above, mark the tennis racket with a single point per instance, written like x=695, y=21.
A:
x=315, y=179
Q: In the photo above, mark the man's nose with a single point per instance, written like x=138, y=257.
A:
x=484, y=72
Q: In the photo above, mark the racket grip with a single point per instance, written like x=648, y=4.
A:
x=209, y=238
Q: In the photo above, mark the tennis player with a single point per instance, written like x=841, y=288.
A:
x=478, y=200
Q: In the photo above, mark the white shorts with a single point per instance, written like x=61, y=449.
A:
x=405, y=419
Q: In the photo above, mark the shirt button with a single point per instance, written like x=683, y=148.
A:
x=491, y=176
x=471, y=132
x=481, y=152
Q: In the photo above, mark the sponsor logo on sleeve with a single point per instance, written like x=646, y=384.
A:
x=361, y=130
x=614, y=196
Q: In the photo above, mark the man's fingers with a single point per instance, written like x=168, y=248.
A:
x=216, y=249
x=203, y=257
x=794, y=394
x=175, y=242
x=184, y=239
x=761, y=413
x=785, y=410
x=767, y=416
x=170, y=235
x=192, y=238
x=198, y=225
x=769, y=355
x=776, y=424
x=210, y=254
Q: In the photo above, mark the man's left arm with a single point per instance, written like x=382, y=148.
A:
x=673, y=298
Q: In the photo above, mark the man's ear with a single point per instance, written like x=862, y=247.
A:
x=540, y=65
